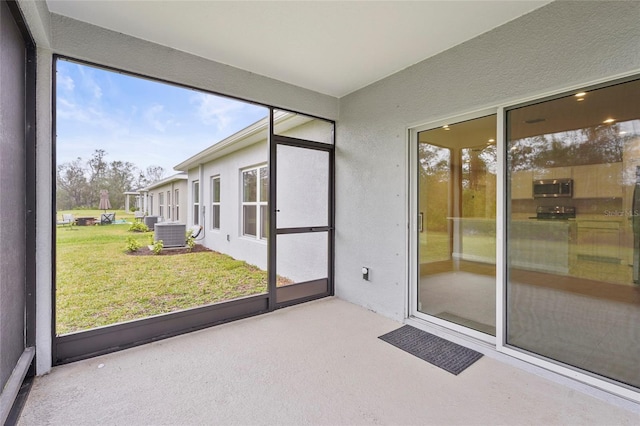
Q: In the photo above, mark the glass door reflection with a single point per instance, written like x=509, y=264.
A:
x=457, y=229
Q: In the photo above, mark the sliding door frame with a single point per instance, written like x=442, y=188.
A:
x=546, y=367
x=413, y=220
x=591, y=379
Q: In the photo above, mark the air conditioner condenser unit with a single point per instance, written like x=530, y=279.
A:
x=171, y=234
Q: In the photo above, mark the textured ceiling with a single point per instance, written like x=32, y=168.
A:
x=333, y=48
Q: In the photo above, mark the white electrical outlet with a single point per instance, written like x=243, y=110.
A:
x=365, y=273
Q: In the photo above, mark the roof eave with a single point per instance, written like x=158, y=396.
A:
x=248, y=136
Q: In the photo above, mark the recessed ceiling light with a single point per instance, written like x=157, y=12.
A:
x=492, y=140
x=580, y=99
x=609, y=120
x=580, y=95
x=446, y=127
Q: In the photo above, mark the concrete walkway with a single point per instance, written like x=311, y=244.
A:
x=316, y=363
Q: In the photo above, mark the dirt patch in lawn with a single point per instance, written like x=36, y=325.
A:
x=144, y=251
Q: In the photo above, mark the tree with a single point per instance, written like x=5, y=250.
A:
x=589, y=145
x=73, y=189
x=119, y=179
x=79, y=185
x=434, y=166
x=97, y=168
x=151, y=175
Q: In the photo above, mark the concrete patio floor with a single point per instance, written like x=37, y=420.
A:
x=315, y=363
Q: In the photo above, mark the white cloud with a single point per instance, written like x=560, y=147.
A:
x=215, y=110
x=67, y=109
x=152, y=115
x=90, y=115
x=150, y=127
x=65, y=82
x=97, y=91
x=141, y=149
x=89, y=83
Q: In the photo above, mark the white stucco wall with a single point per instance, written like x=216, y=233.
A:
x=303, y=201
x=556, y=47
x=315, y=130
x=171, y=187
x=229, y=239
x=44, y=221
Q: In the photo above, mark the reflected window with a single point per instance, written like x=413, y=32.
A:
x=457, y=166
x=573, y=229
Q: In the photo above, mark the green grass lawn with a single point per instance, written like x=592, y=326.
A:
x=435, y=246
x=98, y=283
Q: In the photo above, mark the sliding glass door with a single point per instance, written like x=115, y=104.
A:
x=573, y=258
x=456, y=232
x=570, y=256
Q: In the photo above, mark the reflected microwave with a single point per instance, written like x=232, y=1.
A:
x=553, y=188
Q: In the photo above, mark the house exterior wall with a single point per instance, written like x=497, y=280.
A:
x=44, y=222
x=314, y=130
x=300, y=258
x=559, y=46
x=229, y=239
x=181, y=186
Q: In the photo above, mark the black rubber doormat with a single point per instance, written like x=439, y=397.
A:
x=440, y=352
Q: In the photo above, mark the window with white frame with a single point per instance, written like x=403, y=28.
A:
x=215, y=202
x=255, y=193
x=160, y=204
x=169, y=204
x=196, y=202
x=176, y=201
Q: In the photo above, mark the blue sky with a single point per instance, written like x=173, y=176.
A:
x=137, y=120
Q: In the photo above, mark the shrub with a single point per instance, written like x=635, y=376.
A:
x=132, y=244
x=138, y=227
x=157, y=247
x=191, y=242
